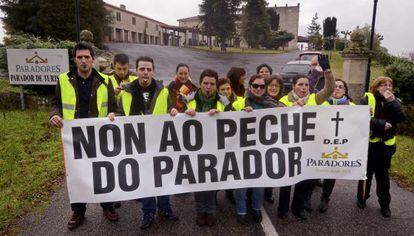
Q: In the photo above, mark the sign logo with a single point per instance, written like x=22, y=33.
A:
x=334, y=155
x=36, y=59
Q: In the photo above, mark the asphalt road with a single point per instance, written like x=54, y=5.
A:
x=342, y=218
x=167, y=58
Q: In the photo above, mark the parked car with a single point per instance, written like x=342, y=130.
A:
x=308, y=55
x=291, y=69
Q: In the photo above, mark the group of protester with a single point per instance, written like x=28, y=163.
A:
x=86, y=93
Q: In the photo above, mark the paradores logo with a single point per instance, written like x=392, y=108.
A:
x=334, y=158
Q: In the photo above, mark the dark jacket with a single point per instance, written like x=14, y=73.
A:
x=390, y=112
x=137, y=103
x=93, y=108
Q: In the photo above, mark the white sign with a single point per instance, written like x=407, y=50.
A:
x=36, y=66
x=142, y=156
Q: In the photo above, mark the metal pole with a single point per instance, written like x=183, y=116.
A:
x=77, y=20
x=371, y=45
x=22, y=97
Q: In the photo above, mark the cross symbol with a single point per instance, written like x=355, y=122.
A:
x=336, y=120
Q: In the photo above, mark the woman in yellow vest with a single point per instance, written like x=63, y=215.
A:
x=256, y=98
x=206, y=99
x=339, y=97
x=301, y=96
x=386, y=113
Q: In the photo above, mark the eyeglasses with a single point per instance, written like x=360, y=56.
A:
x=256, y=86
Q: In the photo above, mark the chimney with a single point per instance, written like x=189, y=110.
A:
x=123, y=7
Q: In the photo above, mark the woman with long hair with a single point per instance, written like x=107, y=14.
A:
x=237, y=75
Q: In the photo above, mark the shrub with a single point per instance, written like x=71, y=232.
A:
x=402, y=72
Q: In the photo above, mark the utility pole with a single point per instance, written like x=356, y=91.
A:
x=371, y=45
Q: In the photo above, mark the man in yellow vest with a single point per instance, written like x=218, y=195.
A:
x=142, y=97
x=83, y=93
x=121, y=75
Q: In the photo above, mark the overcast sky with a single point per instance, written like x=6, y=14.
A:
x=394, y=20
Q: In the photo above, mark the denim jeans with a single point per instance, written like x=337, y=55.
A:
x=150, y=204
x=240, y=197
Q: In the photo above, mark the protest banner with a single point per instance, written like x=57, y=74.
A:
x=141, y=156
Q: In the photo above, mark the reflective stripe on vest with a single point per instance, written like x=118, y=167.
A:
x=372, y=103
x=311, y=101
x=193, y=105
x=161, y=104
x=68, y=96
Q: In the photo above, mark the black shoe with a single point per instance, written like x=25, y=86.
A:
x=300, y=214
x=242, y=219
x=257, y=215
x=75, y=220
x=282, y=215
x=308, y=206
x=111, y=214
x=168, y=215
x=147, y=220
x=386, y=212
x=323, y=206
x=361, y=204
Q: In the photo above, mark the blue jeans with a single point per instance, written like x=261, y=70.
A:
x=150, y=204
x=240, y=197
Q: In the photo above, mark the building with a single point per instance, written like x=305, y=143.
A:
x=131, y=27
x=288, y=21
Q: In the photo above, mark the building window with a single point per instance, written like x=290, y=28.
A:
x=146, y=24
x=118, y=16
x=134, y=21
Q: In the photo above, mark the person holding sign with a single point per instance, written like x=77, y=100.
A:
x=206, y=99
x=120, y=75
x=141, y=97
x=83, y=93
x=386, y=113
x=301, y=96
x=256, y=98
x=180, y=88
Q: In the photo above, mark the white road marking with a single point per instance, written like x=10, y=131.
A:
x=267, y=225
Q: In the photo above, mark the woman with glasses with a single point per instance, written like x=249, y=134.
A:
x=300, y=95
x=275, y=86
x=386, y=113
x=256, y=98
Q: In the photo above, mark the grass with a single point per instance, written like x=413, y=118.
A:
x=336, y=62
x=240, y=50
x=30, y=163
x=5, y=87
x=403, y=162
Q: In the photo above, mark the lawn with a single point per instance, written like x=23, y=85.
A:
x=403, y=162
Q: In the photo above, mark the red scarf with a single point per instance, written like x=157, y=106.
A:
x=181, y=91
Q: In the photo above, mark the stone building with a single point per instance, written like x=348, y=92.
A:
x=288, y=21
x=131, y=27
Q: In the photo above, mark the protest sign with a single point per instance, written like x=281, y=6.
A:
x=141, y=156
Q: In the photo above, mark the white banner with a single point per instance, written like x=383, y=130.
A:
x=142, y=156
x=36, y=66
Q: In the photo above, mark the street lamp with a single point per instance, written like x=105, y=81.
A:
x=371, y=45
x=77, y=20
x=346, y=33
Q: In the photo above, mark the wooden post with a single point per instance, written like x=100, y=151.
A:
x=22, y=97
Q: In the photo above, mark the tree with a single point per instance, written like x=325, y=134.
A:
x=219, y=19
x=255, y=22
x=278, y=39
x=329, y=31
x=274, y=19
x=411, y=56
x=55, y=19
x=315, y=37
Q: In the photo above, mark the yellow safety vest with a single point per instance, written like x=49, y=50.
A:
x=161, y=103
x=311, y=101
x=193, y=105
x=116, y=85
x=68, y=96
x=372, y=104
